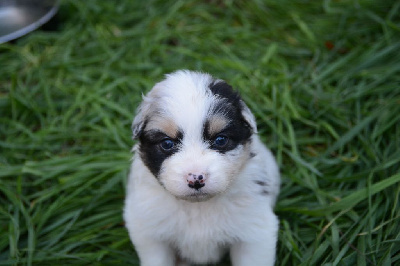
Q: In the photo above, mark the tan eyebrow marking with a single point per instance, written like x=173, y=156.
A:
x=165, y=125
x=216, y=124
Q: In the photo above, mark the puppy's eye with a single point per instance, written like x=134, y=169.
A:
x=167, y=144
x=220, y=141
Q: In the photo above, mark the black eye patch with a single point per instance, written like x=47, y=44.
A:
x=155, y=146
x=227, y=105
x=234, y=134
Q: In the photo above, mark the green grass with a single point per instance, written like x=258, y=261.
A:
x=322, y=77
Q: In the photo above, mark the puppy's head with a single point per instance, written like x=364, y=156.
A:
x=194, y=134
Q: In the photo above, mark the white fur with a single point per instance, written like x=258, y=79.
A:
x=235, y=214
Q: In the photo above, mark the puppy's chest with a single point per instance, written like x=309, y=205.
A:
x=203, y=232
x=205, y=224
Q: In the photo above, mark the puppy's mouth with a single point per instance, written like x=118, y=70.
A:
x=196, y=196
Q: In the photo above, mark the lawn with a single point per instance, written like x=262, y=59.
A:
x=322, y=78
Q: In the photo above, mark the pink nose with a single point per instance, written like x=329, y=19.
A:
x=196, y=181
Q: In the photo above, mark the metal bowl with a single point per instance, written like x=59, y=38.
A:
x=19, y=17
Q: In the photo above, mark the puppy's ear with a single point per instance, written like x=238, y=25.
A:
x=248, y=116
x=139, y=122
x=148, y=108
x=137, y=126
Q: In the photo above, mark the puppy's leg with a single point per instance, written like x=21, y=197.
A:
x=254, y=254
x=152, y=253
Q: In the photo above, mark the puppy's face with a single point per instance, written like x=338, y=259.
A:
x=194, y=134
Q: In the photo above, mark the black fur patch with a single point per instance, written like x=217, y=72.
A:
x=238, y=131
x=261, y=183
x=225, y=91
x=151, y=152
x=264, y=186
x=265, y=192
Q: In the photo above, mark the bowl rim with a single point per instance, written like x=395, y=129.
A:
x=31, y=27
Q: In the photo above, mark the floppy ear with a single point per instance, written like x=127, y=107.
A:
x=146, y=109
x=140, y=119
x=137, y=125
x=248, y=116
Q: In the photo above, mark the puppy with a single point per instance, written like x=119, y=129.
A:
x=201, y=182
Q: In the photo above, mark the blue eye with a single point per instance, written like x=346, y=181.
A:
x=220, y=141
x=167, y=144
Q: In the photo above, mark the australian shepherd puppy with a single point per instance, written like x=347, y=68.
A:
x=201, y=182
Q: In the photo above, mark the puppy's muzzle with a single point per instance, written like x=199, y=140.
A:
x=196, y=181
